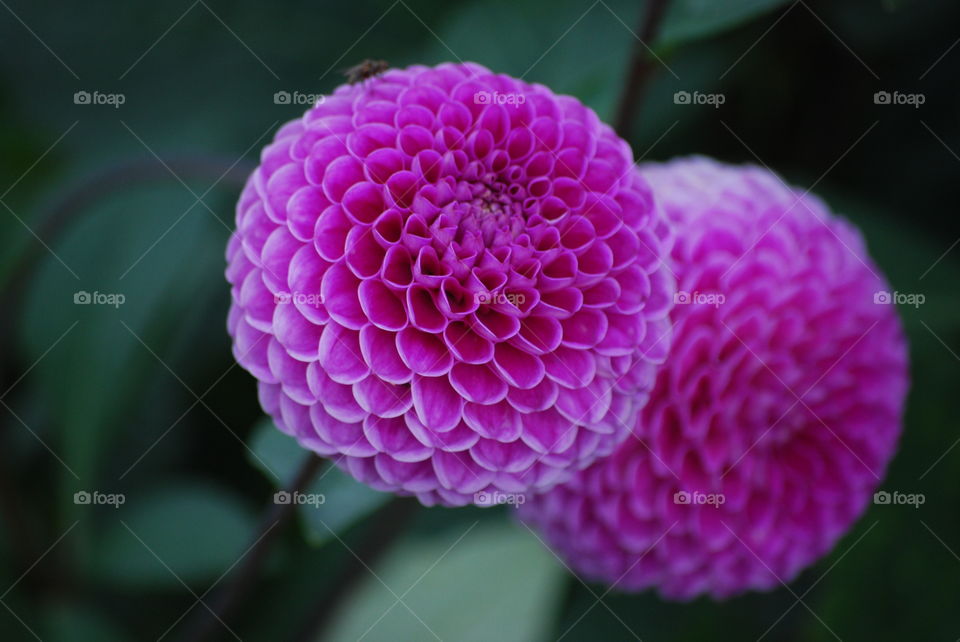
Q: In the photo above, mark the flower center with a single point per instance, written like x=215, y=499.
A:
x=488, y=212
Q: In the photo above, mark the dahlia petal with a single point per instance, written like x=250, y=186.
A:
x=585, y=329
x=339, y=176
x=519, y=368
x=336, y=398
x=540, y=397
x=381, y=306
x=623, y=332
x=466, y=345
x=303, y=208
x=437, y=404
x=460, y=472
x=570, y=368
x=424, y=353
x=585, y=405
x=456, y=440
x=306, y=271
x=415, y=476
x=298, y=335
x=281, y=185
x=391, y=436
x=382, y=399
x=347, y=437
x=497, y=421
x=330, y=233
x=548, y=431
x=495, y=456
x=539, y=335
x=338, y=290
x=340, y=354
x=493, y=325
x=478, y=384
x=396, y=271
x=379, y=350
x=291, y=374
x=257, y=301
x=423, y=311
x=275, y=257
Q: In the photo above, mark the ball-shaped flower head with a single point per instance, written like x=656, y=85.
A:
x=450, y=282
x=775, y=415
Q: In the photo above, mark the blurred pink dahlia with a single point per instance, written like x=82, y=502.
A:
x=776, y=414
x=450, y=282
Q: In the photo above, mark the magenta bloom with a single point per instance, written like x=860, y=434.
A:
x=775, y=415
x=450, y=281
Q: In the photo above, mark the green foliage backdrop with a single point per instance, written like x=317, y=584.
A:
x=143, y=398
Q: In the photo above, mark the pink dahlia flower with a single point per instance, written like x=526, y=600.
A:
x=450, y=282
x=775, y=415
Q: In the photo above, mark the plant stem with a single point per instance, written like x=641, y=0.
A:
x=384, y=531
x=245, y=576
x=640, y=67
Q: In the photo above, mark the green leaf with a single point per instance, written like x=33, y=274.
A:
x=345, y=500
x=692, y=19
x=496, y=581
x=97, y=356
x=67, y=623
x=189, y=532
x=545, y=46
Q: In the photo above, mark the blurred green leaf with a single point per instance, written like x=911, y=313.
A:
x=457, y=587
x=545, y=46
x=692, y=19
x=63, y=623
x=189, y=532
x=99, y=356
x=138, y=258
x=346, y=500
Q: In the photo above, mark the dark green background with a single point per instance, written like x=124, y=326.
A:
x=112, y=405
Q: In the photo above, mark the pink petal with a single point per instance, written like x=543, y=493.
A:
x=437, y=404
